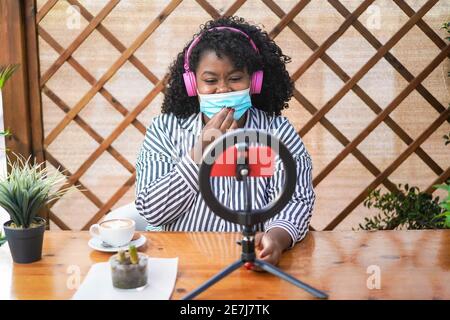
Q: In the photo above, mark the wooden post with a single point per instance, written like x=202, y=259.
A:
x=22, y=105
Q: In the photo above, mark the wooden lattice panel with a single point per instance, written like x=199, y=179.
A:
x=371, y=101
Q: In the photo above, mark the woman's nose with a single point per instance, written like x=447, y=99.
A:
x=223, y=88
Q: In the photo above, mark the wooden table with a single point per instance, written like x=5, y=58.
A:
x=411, y=265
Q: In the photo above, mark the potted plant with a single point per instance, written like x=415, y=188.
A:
x=129, y=269
x=409, y=208
x=23, y=193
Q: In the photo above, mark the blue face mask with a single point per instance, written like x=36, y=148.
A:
x=240, y=101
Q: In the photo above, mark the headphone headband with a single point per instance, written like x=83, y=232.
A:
x=197, y=39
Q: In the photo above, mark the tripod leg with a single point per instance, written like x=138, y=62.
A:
x=281, y=274
x=214, y=279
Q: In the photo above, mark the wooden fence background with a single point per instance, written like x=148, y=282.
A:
x=371, y=100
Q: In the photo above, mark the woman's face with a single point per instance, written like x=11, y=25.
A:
x=215, y=75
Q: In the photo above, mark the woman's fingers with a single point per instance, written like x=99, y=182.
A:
x=219, y=124
x=258, y=238
x=217, y=120
x=228, y=121
x=234, y=125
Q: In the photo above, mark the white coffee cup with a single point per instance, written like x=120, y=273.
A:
x=115, y=232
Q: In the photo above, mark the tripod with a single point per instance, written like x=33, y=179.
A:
x=248, y=255
x=248, y=245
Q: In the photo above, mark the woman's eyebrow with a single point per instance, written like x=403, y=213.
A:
x=209, y=72
x=215, y=74
x=235, y=70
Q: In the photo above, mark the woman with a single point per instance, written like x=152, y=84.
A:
x=231, y=63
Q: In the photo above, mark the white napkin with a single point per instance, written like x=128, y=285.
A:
x=97, y=284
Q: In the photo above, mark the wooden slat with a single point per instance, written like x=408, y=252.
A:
x=234, y=7
x=111, y=71
x=37, y=126
x=356, y=89
x=89, y=130
x=216, y=14
x=113, y=136
x=78, y=41
x=34, y=94
x=209, y=8
x=45, y=9
x=286, y=19
x=441, y=179
x=331, y=39
x=367, y=66
x=421, y=24
x=16, y=108
x=86, y=191
x=116, y=43
x=111, y=202
x=408, y=76
x=91, y=80
x=389, y=170
x=56, y=220
x=343, y=140
x=381, y=116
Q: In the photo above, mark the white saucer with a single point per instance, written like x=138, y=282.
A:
x=96, y=244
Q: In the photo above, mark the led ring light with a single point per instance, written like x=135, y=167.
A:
x=250, y=136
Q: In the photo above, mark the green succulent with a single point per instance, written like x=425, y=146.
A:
x=27, y=188
x=128, y=257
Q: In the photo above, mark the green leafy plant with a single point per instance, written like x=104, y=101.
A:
x=445, y=204
x=2, y=239
x=5, y=133
x=27, y=188
x=446, y=26
x=6, y=72
x=407, y=209
x=447, y=138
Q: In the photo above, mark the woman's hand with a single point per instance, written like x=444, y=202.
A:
x=213, y=129
x=271, y=245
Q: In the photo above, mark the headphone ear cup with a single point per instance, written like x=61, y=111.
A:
x=256, y=83
x=190, y=83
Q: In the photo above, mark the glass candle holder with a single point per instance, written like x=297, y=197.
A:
x=127, y=276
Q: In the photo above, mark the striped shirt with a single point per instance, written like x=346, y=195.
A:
x=167, y=191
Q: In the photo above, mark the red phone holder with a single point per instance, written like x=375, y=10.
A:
x=260, y=162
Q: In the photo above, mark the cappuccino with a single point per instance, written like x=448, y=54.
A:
x=116, y=224
x=115, y=232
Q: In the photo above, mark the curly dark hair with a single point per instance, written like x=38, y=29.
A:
x=277, y=88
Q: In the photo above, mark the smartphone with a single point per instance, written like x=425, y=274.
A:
x=260, y=159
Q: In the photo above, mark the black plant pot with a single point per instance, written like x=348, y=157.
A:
x=25, y=244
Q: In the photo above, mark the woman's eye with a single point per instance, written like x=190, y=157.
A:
x=236, y=79
x=210, y=80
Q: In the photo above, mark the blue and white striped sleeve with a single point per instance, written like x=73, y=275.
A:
x=296, y=215
x=166, y=186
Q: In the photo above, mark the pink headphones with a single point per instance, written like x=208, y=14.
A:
x=189, y=76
